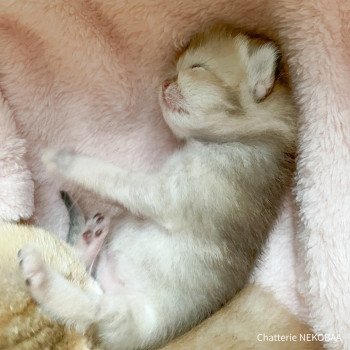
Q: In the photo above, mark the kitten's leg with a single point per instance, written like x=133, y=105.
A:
x=123, y=321
x=141, y=194
x=47, y=285
x=91, y=240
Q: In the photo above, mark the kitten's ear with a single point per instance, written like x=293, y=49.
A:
x=262, y=65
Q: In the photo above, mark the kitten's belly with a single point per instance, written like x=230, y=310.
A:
x=143, y=258
x=107, y=274
x=128, y=261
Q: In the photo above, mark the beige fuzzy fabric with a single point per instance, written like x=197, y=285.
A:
x=22, y=325
x=243, y=323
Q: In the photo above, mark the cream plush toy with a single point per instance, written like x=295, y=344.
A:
x=23, y=326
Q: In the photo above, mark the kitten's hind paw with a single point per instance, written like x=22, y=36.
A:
x=92, y=239
x=96, y=229
x=34, y=271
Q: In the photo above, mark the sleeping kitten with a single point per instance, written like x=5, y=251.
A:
x=193, y=230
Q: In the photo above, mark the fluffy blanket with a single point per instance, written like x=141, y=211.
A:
x=82, y=74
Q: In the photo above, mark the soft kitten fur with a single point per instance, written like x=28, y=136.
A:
x=193, y=230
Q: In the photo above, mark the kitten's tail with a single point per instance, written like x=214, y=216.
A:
x=76, y=218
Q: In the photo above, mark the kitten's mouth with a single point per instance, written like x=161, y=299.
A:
x=172, y=96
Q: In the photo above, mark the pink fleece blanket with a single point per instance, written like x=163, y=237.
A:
x=83, y=75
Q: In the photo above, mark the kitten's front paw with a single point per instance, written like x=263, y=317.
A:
x=57, y=160
x=33, y=270
x=263, y=89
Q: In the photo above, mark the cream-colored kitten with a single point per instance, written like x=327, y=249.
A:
x=193, y=230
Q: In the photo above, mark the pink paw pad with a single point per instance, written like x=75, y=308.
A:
x=96, y=228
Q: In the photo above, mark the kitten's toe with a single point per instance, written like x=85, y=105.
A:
x=33, y=268
x=98, y=218
x=87, y=236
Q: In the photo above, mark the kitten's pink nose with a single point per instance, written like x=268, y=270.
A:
x=166, y=84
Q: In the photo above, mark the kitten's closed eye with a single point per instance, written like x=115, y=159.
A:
x=197, y=65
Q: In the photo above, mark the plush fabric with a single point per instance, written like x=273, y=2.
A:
x=23, y=325
x=83, y=75
x=16, y=190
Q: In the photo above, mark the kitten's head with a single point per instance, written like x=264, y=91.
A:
x=223, y=83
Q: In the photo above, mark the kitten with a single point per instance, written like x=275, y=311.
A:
x=193, y=230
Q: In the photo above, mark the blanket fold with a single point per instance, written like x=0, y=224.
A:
x=17, y=188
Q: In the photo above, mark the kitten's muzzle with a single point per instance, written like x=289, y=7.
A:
x=172, y=96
